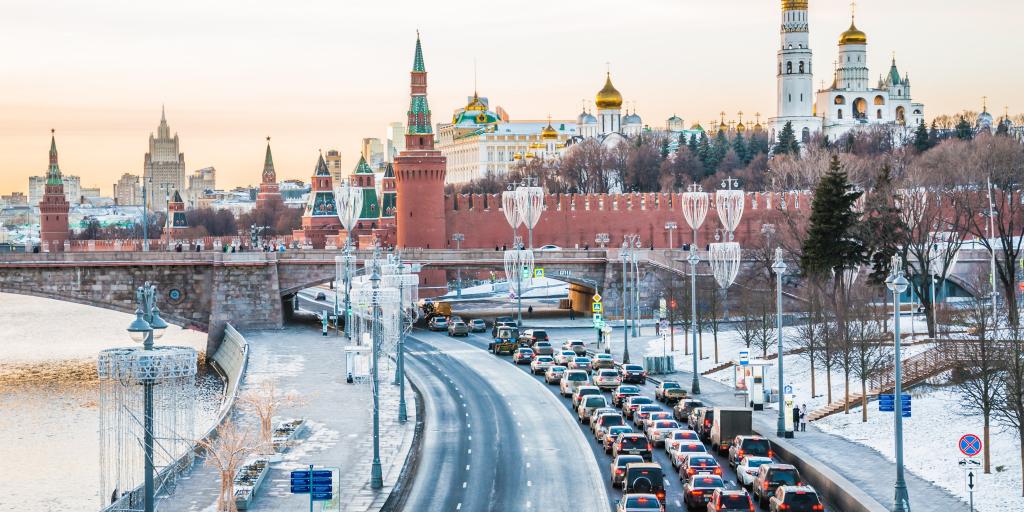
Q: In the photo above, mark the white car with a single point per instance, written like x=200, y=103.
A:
x=678, y=455
x=540, y=364
x=589, y=404
x=571, y=380
x=675, y=437
x=607, y=379
x=564, y=357
x=746, y=471
x=658, y=430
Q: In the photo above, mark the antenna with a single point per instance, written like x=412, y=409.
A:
x=474, y=77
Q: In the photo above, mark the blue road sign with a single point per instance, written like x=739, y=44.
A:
x=887, y=403
x=787, y=389
x=970, y=445
x=317, y=481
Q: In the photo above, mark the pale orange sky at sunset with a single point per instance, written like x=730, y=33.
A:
x=325, y=74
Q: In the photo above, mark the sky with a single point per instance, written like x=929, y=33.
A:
x=323, y=74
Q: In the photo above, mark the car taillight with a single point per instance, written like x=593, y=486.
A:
x=818, y=507
x=696, y=493
x=739, y=453
x=783, y=506
x=764, y=485
x=718, y=471
x=649, y=446
x=771, y=454
x=620, y=471
x=707, y=423
x=660, y=495
x=690, y=471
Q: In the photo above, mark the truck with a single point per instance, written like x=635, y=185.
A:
x=505, y=341
x=432, y=308
x=728, y=423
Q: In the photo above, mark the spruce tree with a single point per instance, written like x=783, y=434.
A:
x=664, y=149
x=694, y=144
x=787, y=143
x=963, y=129
x=833, y=241
x=739, y=145
x=933, y=135
x=704, y=149
x=921, y=143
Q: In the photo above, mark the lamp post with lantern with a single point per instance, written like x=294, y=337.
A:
x=897, y=283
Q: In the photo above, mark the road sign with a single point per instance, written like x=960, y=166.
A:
x=971, y=479
x=887, y=403
x=970, y=445
x=538, y=272
x=596, y=307
x=744, y=357
x=598, y=318
x=787, y=389
x=318, y=483
x=597, y=297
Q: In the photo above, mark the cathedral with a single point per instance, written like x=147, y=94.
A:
x=850, y=102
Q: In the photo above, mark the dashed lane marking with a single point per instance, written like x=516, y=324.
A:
x=459, y=506
x=467, y=467
x=464, y=485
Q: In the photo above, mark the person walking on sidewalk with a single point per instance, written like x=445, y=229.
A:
x=796, y=418
x=572, y=314
x=803, y=418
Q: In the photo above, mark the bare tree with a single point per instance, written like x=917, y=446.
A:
x=765, y=332
x=227, y=452
x=811, y=333
x=1010, y=408
x=983, y=364
x=712, y=311
x=264, y=401
x=748, y=316
x=869, y=353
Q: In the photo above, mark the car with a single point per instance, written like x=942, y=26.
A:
x=320, y=296
x=683, y=407
x=587, y=405
x=682, y=450
x=571, y=380
x=607, y=379
x=438, y=323
x=582, y=391
x=658, y=430
x=790, y=498
x=633, y=444
x=554, y=373
x=679, y=436
x=603, y=361
x=540, y=364
x=613, y=434
x=577, y=346
x=565, y=357
x=522, y=355
x=636, y=502
x=633, y=402
x=702, y=420
x=623, y=392
x=618, y=469
x=644, y=477
x=698, y=489
x=536, y=335
x=641, y=413
x=770, y=477
x=730, y=500
x=455, y=318
x=699, y=463
x=549, y=247
x=633, y=374
x=601, y=411
x=524, y=341
x=656, y=416
x=580, y=363
x=673, y=395
x=746, y=470
x=605, y=421
x=477, y=325
x=544, y=348
x=659, y=391
x=504, y=321
x=458, y=328
x=749, y=445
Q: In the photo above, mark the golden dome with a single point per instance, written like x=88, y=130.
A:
x=740, y=128
x=608, y=97
x=794, y=5
x=476, y=103
x=549, y=132
x=853, y=36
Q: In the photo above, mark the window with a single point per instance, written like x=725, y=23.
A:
x=791, y=98
x=806, y=135
x=899, y=92
x=840, y=100
x=879, y=100
x=840, y=114
x=789, y=67
x=900, y=115
x=801, y=66
x=860, y=108
x=879, y=114
x=801, y=96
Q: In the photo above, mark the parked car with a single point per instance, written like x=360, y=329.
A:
x=564, y=357
x=613, y=434
x=583, y=391
x=636, y=502
x=438, y=323
x=554, y=373
x=659, y=390
x=618, y=469
x=644, y=477
x=791, y=499
x=698, y=489
x=477, y=325
x=571, y=380
x=633, y=402
x=544, y=348
x=540, y=364
x=682, y=450
x=458, y=328
x=607, y=379
x=522, y=355
x=730, y=500
x=580, y=363
x=633, y=444
x=683, y=407
x=634, y=374
x=770, y=477
x=658, y=430
x=749, y=445
x=699, y=463
x=746, y=470
x=576, y=346
x=623, y=392
x=536, y=335
x=603, y=361
x=587, y=405
x=679, y=436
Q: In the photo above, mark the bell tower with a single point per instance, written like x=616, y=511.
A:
x=794, y=74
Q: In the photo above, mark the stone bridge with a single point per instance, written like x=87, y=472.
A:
x=205, y=290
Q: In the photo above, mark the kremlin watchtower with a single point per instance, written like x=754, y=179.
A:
x=269, y=191
x=320, y=219
x=420, y=171
x=53, y=208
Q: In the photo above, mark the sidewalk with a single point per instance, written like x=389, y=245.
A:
x=298, y=359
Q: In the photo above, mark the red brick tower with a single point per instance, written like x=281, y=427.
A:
x=269, y=191
x=53, y=208
x=320, y=219
x=176, y=223
x=420, y=171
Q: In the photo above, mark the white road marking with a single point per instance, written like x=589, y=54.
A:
x=470, y=438
x=459, y=506
x=522, y=436
x=469, y=451
x=464, y=404
x=467, y=414
x=520, y=424
x=464, y=485
x=528, y=504
x=527, y=465
x=467, y=467
x=468, y=425
x=529, y=483
x=678, y=504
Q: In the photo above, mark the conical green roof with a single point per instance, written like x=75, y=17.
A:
x=53, y=173
x=362, y=167
x=417, y=61
x=389, y=170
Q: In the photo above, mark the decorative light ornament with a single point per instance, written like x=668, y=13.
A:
x=725, y=262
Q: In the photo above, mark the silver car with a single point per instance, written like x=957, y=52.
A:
x=588, y=405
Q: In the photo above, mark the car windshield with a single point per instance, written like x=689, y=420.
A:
x=756, y=447
x=670, y=385
x=581, y=360
x=735, y=501
x=557, y=369
x=608, y=373
x=693, y=404
x=525, y=351
x=654, y=474
x=616, y=430
x=640, y=400
x=665, y=424
x=611, y=419
x=685, y=434
x=756, y=463
x=801, y=498
x=634, y=442
x=576, y=343
x=594, y=401
x=784, y=477
x=702, y=460
x=624, y=390
x=576, y=376
x=544, y=359
x=540, y=334
x=642, y=503
x=633, y=368
x=708, y=482
x=622, y=460
x=543, y=344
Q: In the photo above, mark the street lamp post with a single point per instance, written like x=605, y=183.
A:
x=898, y=284
x=779, y=267
x=376, y=475
x=696, y=203
x=625, y=300
x=670, y=227
x=693, y=260
x=147, y=327
x=403, y=415
x=458, y=239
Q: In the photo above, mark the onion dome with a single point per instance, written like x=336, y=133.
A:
x=758, y=128
x=585, y=118
x=740, y=128
x=853, y=35
x=630, y=119
x=674, y=119
x=608, y=97
x=476, y=103
x=549, y=132
x=794, y=5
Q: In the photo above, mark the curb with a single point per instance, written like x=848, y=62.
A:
x=403, y=485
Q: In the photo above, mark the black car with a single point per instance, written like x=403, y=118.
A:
x=770, y=477
x=644, y=478
x=634, y=374
x=698, y=489
x=621, y=393
x=632, y=444
x=320, y=296
x=682, y=409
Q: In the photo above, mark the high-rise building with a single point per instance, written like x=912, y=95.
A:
x=396, y=140
x=164, y=167
x=128, y=190
x=54, y=206
x=15, y=199
x=37, y=187
x=333, y=162
x=199, y=182
x=372, y=151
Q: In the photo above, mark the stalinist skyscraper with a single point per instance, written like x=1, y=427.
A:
x=164, y=172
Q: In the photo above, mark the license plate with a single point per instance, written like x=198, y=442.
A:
x=633, y=452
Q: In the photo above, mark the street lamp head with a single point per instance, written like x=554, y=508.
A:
x=779, y=266
x=158, y=324
x=139, y=327
x=693, y=259
x=900, y=284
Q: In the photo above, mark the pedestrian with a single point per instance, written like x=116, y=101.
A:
x=572, y=314
x=796, y=418
x=529, y=311
x=803, y=418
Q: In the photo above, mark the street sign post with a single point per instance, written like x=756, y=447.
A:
x=887, y=403
x=596, y=307
x=598, y=319
x=970, y=445
x=317, y=483
x=538, y=272
x=744, y=357
x=597, y=297
x=971, y=483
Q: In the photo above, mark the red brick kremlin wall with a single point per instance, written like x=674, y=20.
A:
x=571, y=219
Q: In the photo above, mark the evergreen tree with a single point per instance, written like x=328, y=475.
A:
x=758, y=144
x=682, y=139
x=963, y=129
x=739, y=145
x=881, y=227
x=704, y=152
x=664, y=149
x=832, y=242
x=933, y=135
x=921, y=142
x=787, y=143
x=1003, y=129
x=694, y=144
x=721, y=145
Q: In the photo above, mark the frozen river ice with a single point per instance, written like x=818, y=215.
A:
x=48, y=399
